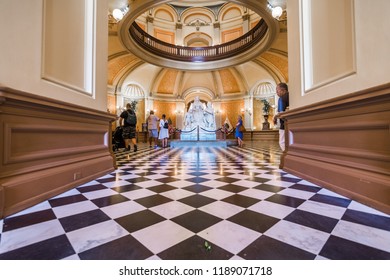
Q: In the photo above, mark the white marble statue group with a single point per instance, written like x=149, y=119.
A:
x=202, y=116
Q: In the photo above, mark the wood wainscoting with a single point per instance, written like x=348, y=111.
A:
x=262, y=135
x=48, y=147
x=343, y=144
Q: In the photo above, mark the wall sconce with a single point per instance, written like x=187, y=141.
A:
x=248, y=110
x=178, y=112
x=119, y=110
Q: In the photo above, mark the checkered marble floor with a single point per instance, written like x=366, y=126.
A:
x=197, y=203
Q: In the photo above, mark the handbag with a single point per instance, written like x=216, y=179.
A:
x=242, y=128
x=165, y=124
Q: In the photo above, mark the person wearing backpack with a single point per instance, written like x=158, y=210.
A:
x=128, y=120
x=164, y=134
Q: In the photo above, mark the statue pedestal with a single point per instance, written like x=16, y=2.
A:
x=202, y=136
x=265, y=123
x=198, y=134
x=199, y=122
x=193, y=144
x=188, y=136
x=208, y=136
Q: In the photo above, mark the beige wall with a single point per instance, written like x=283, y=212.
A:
x=56, y=49
x=166, y=108
x=339, y=51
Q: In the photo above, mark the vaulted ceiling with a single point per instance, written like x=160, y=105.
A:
x=126, y=69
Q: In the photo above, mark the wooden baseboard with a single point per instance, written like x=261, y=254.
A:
x=48, y=147
x=344, y=145
x=261, y=135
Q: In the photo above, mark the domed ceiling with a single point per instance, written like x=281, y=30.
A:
x=171, y=83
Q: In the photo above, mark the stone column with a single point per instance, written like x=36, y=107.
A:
x=217, y=34
x=245, y=23
x=248, y=121
x=149, y=25
x=179, y=34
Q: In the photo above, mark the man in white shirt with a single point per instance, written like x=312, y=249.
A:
x=152, y=127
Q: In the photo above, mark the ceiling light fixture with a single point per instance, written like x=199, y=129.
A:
x=275, y=11
x=118, y=14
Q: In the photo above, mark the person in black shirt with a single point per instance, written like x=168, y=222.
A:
x=129, y=129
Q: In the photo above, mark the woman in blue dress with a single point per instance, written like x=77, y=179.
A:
x=239, y=134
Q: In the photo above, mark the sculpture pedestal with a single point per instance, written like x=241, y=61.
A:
x=198, y=134
x=265, y=123
x=194, y=137
x=216, y=143
x=199, y=122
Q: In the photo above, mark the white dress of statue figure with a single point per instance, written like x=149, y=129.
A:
x=209, y=118
x=188, y=120
x=197, y=109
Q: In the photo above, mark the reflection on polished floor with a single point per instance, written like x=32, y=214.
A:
x=167, y=203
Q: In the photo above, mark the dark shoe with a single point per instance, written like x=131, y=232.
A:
x=135, y=148
x=128, y=148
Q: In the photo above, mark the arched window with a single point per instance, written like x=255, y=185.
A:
x=264, y=90
x=132, y=93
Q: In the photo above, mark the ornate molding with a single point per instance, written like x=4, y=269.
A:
x=149, y=19
x=246, y=17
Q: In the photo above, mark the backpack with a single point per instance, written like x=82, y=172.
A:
x=131, y=119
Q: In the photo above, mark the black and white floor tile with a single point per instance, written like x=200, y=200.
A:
x=197, y=203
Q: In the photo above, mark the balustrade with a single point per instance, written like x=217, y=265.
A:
x=198, y=54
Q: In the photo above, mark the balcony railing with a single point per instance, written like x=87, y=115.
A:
x=198, y=54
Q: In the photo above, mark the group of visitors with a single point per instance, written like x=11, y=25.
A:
x=128, y=121
x=163, y=135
